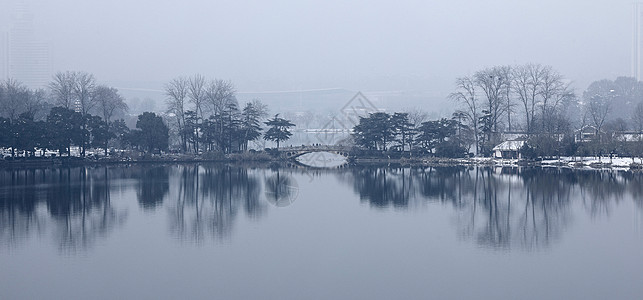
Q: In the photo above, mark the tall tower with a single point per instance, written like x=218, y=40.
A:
x=4, y=54
x=29, y=59
x=636, y=40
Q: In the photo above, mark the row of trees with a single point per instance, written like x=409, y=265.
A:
x=531, y=98
x=76, y=110
x=206, y=116
x=80, y=92
x=538, y=101
x=399, y=132
x=64, y=127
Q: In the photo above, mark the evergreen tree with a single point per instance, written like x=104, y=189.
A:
x=279, y=130
x=119, y=131
x=99, y=132
x=64, y=127
x=230, y=127
x=250, y=124
x=192, y=128
x=403, y=130
x=152, y=132
x=26, y=133
x=5, y=133
x=375, y=131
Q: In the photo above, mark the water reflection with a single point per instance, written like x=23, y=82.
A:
x=499, y=208
x=281, y=189
x=72, y=204
x=153, y=185
x=207, y=199
x=496, y=208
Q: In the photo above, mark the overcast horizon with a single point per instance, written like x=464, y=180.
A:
x=362, y=45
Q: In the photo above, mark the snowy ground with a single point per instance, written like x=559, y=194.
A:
x=580, y=162
x=74, y=151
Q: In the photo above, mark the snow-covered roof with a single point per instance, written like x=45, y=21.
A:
x=509, y=146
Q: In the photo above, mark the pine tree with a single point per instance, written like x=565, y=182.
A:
x=279, y=130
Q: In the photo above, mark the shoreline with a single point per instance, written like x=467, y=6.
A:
x=594, y=163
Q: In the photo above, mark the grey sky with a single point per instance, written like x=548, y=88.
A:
x=358, y=45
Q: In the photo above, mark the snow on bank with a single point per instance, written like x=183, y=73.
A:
x=582, y=162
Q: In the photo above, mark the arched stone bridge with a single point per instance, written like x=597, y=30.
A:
x=294, y=152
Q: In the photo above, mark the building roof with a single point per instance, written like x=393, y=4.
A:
x=509, y=146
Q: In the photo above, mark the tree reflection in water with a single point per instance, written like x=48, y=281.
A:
x=153, y=185
x=281, y=189
x=207, y=199
x=499, y=208
x=73, y=203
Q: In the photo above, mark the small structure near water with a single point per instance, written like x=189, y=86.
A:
x=508, y=150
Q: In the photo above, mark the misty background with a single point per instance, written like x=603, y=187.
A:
x=315, y=55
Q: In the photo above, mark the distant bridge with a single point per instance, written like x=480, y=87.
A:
x=294, y=152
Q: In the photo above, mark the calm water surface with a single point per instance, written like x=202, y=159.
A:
x=224, y=232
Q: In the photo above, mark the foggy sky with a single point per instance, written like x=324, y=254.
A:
x=361, y=45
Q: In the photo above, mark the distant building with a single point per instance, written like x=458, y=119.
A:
x=628, y=136
x=25, y=58
x=4, y=54
x=585, y=134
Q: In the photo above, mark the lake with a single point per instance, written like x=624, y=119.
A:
x=230, y=232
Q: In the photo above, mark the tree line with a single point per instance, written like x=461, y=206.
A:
x=529, y=98
x=537, y=101
x=402, y=132
x=532, y=101
x=77, y=110
x=206, y=116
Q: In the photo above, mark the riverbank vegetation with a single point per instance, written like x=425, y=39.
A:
x=531, y=103
x=76, y=112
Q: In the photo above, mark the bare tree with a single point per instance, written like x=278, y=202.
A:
x=15, y=97
x=220, y=100
x=416, y=116
x=598, y=101
x=177, y=92
x=527, y=84
x=35, y=105
x=260, y=108
x=108, y=102
x=494, y=82
x=554, y=92
x=62, y=88
x=466, y=94
x=196, y=93
x=219, y=93
x=507, y=73
x=83, y=92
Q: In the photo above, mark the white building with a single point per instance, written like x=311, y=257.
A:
x=508, y=149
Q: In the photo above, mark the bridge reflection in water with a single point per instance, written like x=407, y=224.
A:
x=318, y=156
